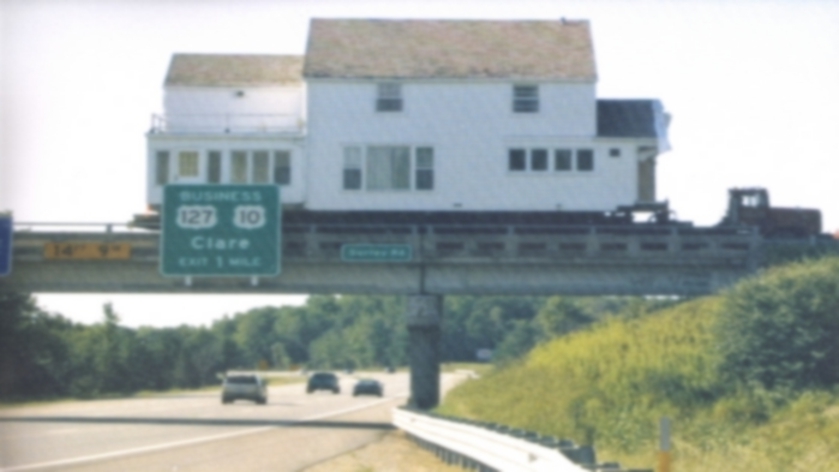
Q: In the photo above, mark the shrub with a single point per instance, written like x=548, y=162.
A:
x=780, y=330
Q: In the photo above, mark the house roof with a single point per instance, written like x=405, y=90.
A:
x=631, y=119
x=232, y=70
x=402, y=49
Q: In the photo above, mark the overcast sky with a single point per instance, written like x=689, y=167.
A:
x=752, y=87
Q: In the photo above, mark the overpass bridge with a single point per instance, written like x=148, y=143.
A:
x=444, y=259
x=433, y=261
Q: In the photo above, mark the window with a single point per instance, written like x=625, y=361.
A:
x=214, y=167
x=282, y=167
x=424, y=168
x=388, y=168
x=562, y=160
x=161, y=167
x=585, y=160
x=376, y=168
x=188, y=164
x=615, y=152
x=352, y=168
x=260, y=171
x=517, y=159
x=389, y=97
x=239, y=168
x=539, y=159
x=525, y=98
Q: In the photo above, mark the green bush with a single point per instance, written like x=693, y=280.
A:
x=781, y=330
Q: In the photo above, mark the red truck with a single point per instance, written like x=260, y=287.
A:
x=751, y=207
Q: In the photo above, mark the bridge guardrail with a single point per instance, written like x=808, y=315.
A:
x=516, y=244
x=491, y=447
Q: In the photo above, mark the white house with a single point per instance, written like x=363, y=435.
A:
x=414, y=115
x=230, y=119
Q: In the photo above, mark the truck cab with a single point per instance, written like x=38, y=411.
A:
x=751, y=207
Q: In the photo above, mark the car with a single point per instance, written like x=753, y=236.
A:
x=244, y=386
x=323, y=381
x=368, y=387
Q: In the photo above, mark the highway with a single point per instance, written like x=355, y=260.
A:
x=193, y=431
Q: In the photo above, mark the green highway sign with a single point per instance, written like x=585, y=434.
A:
x=376, y=253
x=220, y=230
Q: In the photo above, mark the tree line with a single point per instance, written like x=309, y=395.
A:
x=44, y=354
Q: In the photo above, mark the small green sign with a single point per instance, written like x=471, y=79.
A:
x=220, y=230
x=376, y=253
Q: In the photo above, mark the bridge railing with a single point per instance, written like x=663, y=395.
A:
x=460, y=244
x=523, y=242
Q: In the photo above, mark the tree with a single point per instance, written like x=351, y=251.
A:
x=780, y=330
x=33, y=348
x=560, y=316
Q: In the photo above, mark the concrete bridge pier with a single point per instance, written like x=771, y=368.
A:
x=424, y=318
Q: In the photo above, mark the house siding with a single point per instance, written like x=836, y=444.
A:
x=471, y=126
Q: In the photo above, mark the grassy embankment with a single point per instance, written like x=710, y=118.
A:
x=610, y=384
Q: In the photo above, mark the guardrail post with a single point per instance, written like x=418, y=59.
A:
x=664, y=448
x=424, y=315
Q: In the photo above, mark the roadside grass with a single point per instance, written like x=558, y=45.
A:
x=610, y=384
x=480, y=368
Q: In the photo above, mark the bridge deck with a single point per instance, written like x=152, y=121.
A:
x=445, y=260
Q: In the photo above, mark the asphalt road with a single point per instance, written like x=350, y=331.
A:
x=195, y=432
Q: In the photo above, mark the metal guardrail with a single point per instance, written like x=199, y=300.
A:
x=68, y=227
x=489, y=447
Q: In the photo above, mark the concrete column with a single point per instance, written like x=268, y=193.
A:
x=424, y=315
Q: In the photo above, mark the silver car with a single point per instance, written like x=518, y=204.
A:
x=244, y=386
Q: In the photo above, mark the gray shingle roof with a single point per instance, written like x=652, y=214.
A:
x=631, y=119
x=233, y=70
x=397, y=49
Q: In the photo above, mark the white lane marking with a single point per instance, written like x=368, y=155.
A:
x=189, y=442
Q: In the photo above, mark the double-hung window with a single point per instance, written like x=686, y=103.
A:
x=214, y=167
x=188, y=164
x=260, y=173
x=282, y=167
x=388, y=168
x=525, y=99
x=562, y=160
x=389, y=97
x=585, y=160
x=239, y=167
x=161, y=167
x=539, y=159
x=517, y=160
x=352, y=168
x=424, y=168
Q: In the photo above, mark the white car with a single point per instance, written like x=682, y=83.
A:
x=244, y=386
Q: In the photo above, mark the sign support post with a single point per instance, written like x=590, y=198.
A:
x=6, y=233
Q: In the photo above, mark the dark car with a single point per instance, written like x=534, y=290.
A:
x=323, y=381
x=244, y=386
x=368, y=387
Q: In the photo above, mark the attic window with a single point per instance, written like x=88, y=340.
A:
x=525, y=98
x=389, y=97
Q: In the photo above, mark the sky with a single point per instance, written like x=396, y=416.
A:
x=752, y=86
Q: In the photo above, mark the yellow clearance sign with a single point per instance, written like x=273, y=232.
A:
x=87, y=251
